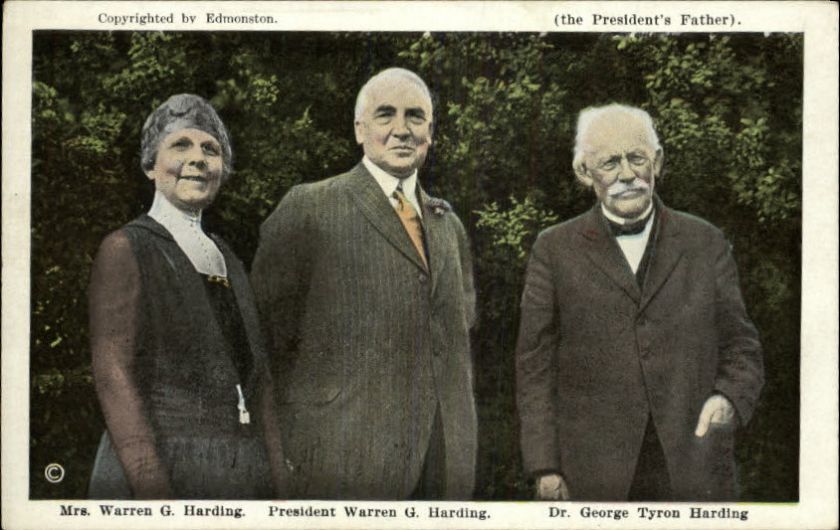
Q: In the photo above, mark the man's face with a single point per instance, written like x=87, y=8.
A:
x=621, y=165
x=395, y=128
x=188, y=169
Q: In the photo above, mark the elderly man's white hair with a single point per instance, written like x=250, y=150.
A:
x=388, y=73
x=591, y=114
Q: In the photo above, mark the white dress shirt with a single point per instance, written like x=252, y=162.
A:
x=632, y=245
x=389, y=184
x=185, y=227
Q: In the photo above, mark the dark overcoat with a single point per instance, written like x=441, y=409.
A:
x=597, y=355
x=366, y=342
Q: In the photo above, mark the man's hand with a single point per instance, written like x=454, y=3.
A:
x=717, y=410
x=552, y=488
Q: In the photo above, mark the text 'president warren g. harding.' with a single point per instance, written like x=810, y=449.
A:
x=636, y=359
x=365, y=286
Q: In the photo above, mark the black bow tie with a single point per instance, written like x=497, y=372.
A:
x=629, y=229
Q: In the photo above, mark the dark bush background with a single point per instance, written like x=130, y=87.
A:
x=727, y=107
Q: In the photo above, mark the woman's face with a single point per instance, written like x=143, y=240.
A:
x=188, y=169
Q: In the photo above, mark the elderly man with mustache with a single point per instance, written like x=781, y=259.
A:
x=636, y=360
x=365, y=285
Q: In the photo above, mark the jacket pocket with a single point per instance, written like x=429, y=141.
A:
x=311, y=393
x=315, y=378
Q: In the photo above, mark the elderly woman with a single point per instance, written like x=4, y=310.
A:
x=178, y=361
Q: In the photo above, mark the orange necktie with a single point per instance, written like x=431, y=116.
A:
x=411, y=222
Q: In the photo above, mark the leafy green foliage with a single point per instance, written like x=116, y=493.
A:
x=727, y=109
x=511, y=227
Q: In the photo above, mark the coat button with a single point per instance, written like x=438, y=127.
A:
x=422, y=277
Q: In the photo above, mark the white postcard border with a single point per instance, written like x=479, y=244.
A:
x=819, y=349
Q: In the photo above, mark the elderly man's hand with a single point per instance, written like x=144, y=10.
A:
x=717, y=410
x=552, y=488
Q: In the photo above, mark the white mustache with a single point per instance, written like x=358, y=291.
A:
x=619, y=188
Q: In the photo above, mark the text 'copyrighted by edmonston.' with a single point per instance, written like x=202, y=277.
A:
x=156, y=19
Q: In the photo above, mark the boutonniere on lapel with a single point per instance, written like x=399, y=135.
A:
x=438, y=206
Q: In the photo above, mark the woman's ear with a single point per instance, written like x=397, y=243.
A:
x=150, y=174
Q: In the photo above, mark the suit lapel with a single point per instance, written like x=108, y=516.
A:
x=666, y=250
x=435, y=235
x=378, y=210
x=603, y=251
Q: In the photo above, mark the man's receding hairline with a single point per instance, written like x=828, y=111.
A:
x=387, y=75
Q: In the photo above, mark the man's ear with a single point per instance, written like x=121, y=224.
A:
x=150, y=174
x=582, y=174
x=359, y=128
x=657, y=162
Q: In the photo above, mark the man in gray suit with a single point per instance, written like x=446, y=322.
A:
x=365, y=286
x=636, y=359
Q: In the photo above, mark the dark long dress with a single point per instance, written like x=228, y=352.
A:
x=169, y=348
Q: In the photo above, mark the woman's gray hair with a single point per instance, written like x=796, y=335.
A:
x=183, y=111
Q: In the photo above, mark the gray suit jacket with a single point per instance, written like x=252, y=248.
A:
x=365, y=343
x=597, y=355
